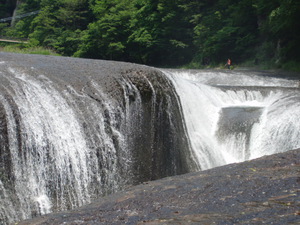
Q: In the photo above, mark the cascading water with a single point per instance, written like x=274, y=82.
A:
x=68, y=137
x=236, y=116
x=72, y=130
x=62, y=157
x=56, y=167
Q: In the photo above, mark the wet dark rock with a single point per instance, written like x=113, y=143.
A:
x=136, y=100
x=156, y=150
x=260, y=191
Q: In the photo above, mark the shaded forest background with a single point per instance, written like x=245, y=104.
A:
x=191, y=33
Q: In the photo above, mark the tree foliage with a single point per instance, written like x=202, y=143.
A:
x=162, y=32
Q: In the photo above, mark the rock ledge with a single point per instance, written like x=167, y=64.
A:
x=264, y=190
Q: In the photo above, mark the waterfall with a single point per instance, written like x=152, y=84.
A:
x=55, y=166
x=68, y=136
x=61, y=156
x=73, y=130
x=237, y=116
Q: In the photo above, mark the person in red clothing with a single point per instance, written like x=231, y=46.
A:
x=228, y=64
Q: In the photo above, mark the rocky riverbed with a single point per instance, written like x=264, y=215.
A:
x=260, y=191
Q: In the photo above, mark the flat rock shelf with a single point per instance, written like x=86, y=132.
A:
x=261, y=191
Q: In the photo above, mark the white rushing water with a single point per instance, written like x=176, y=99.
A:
x=61, y=157
x=233, y=117
x=54, y=151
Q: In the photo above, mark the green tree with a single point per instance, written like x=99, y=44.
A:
x=225, y=29
x=284, y=27
x=44, y=27
x=107, y=37
x=22, y=28
x=60, y=23
x=161, y=34
x=279, y=33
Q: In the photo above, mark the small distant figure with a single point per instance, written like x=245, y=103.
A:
x=228, y=64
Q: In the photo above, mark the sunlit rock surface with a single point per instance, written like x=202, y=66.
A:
x=261, y=191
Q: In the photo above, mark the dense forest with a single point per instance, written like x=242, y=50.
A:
x=161, y=32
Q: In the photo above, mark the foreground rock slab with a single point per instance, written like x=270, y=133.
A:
x=261, y=191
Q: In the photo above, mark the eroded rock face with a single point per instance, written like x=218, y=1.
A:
x=82, y=129
x=264, y=190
